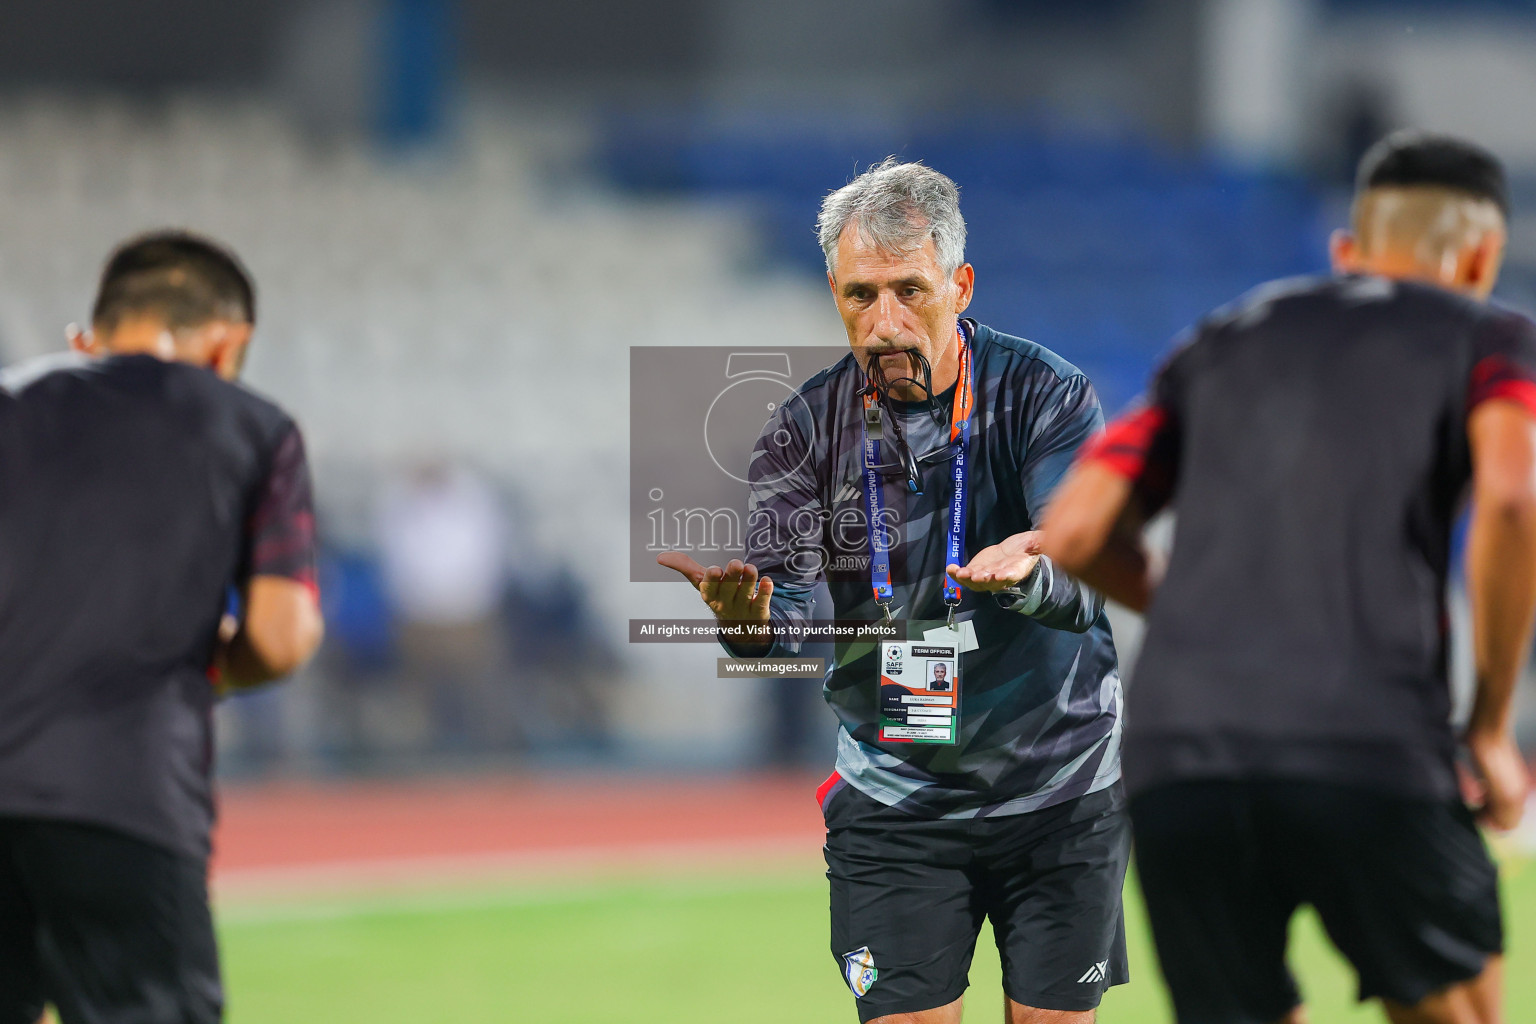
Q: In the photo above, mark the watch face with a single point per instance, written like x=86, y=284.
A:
x=736, y=418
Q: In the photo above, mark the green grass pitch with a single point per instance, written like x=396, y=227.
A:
x=748, y=949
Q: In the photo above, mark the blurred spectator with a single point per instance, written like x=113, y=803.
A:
x=357, y=666
x=442, y=544
x=566, y=666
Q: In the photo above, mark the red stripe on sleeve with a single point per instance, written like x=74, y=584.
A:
x=1522, y=391
x=1125, y=444
x=1499, y=378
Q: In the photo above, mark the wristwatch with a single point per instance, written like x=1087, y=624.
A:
x=1026, y=595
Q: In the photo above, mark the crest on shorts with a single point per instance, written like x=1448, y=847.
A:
x=859, y=969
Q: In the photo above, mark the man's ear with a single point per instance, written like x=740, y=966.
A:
x=226, y=353
x=1344, y=251
x=965, y=286
x=82, y=340
x=1481, y=263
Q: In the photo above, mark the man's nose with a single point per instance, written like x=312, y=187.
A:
x=887, y=317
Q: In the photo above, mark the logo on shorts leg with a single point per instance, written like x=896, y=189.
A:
x=859, y=969
x=1098, y=972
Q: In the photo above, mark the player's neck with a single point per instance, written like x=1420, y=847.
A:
x=1406, y=266
x=146, y=337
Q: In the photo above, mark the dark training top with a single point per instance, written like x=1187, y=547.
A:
x=133, y=494
x=1040, y=700
x=1313, y=438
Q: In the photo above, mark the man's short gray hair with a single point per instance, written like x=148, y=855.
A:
x=894, y=206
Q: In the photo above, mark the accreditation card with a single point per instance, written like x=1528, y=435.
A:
x=919, y=692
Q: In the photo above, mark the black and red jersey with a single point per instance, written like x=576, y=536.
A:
x=134, y=493
x=1313, y=439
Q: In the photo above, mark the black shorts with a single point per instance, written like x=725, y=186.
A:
x=909, y=895
x=1404, y=888
x=105, y=927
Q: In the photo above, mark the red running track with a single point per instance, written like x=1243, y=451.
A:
x=327, y=835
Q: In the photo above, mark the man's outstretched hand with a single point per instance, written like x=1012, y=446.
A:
x=734, y=594
x=1000, y=566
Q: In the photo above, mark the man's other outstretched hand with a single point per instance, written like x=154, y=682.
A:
x=1001, y=565
x=734, y=594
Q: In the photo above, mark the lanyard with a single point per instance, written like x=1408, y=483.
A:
x=874, y=499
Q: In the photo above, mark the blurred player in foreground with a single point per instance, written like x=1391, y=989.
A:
x=1289, y=737
x=998, y=795
x=138, y=484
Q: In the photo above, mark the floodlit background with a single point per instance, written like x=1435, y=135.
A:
x=480, y=800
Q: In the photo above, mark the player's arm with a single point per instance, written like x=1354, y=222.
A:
x=1094, y=526
x=279, y=626
x=1093, y=530
x=280, y=629
x=1501, y=582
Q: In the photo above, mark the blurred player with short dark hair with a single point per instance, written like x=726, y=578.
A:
x=1289, y=735
x=138, y=485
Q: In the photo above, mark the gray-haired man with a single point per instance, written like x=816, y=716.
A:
x=998, y=797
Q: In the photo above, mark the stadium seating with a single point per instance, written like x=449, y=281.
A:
x=479, y=303
x=476, y=304
x=1100, y=247
x=408, y=309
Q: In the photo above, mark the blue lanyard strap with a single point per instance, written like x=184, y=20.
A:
x=874, y=498
x=879, y=540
